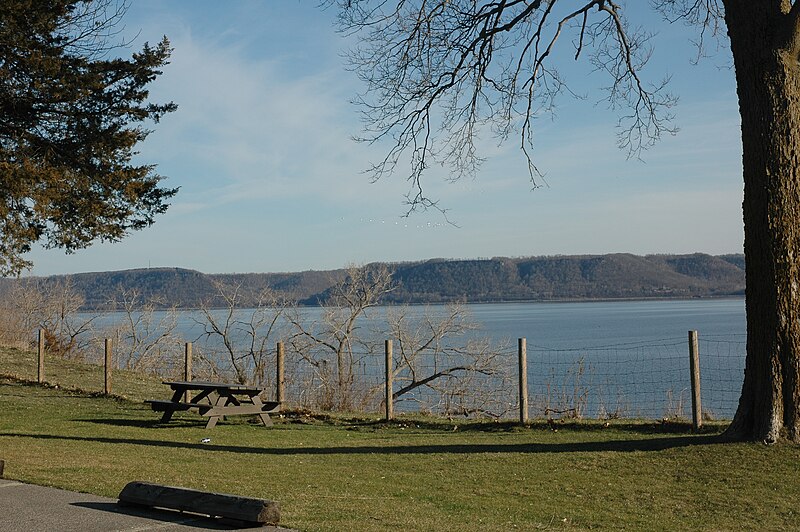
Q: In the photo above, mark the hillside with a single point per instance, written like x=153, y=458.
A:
x=582, y=277
x=570, y=277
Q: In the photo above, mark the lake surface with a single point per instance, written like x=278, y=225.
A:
x=598, y=359
x=560, y=325
x=625, y=358
x=594, y=324
x=633, y=355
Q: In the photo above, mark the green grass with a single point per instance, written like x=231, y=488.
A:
x=416, y=474
x=74, y=375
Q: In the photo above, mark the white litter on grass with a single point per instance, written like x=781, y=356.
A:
x=205, y=440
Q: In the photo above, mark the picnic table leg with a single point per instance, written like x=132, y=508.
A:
x=222, y=400
x=176, y=397
x=265, y=419
x=203, y=396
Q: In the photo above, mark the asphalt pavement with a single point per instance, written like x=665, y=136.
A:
x=25, y=507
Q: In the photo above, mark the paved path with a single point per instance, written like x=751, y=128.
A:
x=25, y=507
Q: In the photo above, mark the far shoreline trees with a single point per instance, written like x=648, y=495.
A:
x=585, y=277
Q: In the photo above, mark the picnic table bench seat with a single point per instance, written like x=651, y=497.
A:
x=162, y=405
x=215, y=401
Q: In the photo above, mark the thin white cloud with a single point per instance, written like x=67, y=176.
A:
x=271, y=180
x=250, y=131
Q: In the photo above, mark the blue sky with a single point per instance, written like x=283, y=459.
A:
x=271, y=181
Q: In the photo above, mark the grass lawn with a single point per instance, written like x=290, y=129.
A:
x=414, y=474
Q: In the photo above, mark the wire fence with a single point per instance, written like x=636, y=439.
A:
x=650, y=380
x=644, y=380
x=722, y=373
x=647, y=380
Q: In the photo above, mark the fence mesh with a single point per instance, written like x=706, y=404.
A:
x=643, y=380
x=721, y=374
x=649, y=381
x=634, y=380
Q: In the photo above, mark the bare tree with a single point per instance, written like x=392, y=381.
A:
x=145, y=338
x=437, y=71
x=442, y=364
x=245, y=337
x=16, y=324
x=52, y=305
x=331, y=345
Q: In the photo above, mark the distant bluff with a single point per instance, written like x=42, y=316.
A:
x=576, y=277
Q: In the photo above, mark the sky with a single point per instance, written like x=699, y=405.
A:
x=271, y=181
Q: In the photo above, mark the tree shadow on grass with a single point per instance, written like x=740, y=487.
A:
x=623, y=445
x=433, y=425
x=593, y=426
x=146, y=423
x=177, y=421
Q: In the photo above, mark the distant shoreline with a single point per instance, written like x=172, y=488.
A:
x=554, y=279
x=445, y=303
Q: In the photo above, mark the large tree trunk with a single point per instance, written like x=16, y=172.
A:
x=765, y=52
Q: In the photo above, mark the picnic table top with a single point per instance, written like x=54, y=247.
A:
x=231, y=399
x=206, y=385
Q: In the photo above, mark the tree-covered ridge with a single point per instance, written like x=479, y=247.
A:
x=569, y=277
x=582, y=277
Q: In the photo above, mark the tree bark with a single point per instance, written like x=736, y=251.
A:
x=765, y=51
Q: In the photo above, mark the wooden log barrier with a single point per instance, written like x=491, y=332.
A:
x=246, y=509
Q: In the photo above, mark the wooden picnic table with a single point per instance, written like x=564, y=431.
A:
x=215, y=400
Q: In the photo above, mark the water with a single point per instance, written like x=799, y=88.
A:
x=595, y=359
x=559, y=325
x=625, y=358
x=596, y=324
x=628, y=358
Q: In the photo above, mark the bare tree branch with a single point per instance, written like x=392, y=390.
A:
x=245, y=336
x=438, y=73
x=332, y=340
x=707, y=15
x=144, y=339
x=440, y=361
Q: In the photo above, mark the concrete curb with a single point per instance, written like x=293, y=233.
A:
x=31, y=507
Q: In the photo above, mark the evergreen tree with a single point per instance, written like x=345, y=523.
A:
x=71, y=115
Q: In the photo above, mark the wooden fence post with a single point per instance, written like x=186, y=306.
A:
x=694, y=365
x=523, y=380
x=108, y=363
x=187, y=369
x=40, y=363
x=279, y=377
x=389, y=383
